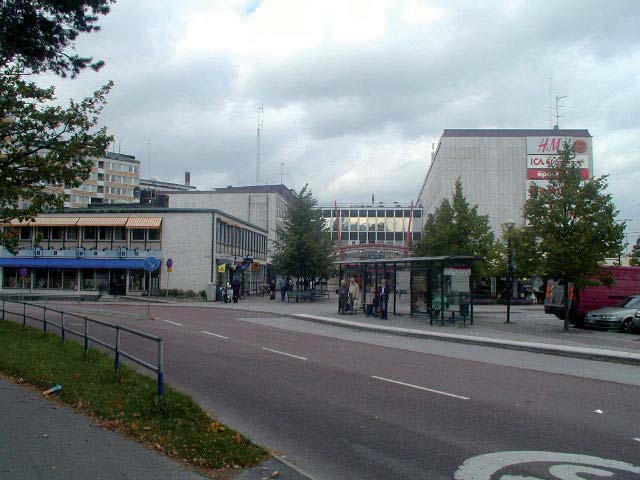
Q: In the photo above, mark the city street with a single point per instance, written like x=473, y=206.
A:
x=345, y=404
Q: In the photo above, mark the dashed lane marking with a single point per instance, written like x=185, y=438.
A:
x=439, y=392
x=174, y=323
x=283, y=353
x=214, y=334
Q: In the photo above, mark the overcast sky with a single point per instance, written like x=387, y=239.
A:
x=355, y=92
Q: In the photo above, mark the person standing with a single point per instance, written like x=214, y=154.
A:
x=354, y=295
x=383, y=298
x=343, y=297
x=272, y=290
x=284, y=286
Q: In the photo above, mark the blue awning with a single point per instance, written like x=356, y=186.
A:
x=31, y=262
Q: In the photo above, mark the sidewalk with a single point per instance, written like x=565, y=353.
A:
x=530, y=329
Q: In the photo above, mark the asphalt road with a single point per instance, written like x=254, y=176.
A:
x=353, y=408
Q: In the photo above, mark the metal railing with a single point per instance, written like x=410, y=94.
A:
x=85, y=335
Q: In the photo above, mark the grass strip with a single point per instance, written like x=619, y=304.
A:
x=174, y=425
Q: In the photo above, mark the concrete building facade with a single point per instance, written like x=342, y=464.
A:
x=261, y=205
x=497, y=167
x=90, y=252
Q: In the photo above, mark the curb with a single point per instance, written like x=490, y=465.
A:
x=545, y=348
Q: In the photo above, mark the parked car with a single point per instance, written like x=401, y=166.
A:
x=621, y=317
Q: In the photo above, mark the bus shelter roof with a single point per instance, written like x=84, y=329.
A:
x=412, y=261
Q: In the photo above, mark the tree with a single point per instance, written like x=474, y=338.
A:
x=456, y=229
x=304, y=248
x=634, y=259
x=34, y=34
x=41, y=142
x=573, y=221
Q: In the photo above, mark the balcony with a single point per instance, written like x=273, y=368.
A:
x=82, y=253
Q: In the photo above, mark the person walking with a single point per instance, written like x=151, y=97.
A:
x=383, y=298
x=272, y=290
x=235, y=286
x=284, y=286
x=354, y=296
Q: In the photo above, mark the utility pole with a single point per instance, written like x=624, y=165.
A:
x=258, y=140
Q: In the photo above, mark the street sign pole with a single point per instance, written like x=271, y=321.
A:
x=150, y=264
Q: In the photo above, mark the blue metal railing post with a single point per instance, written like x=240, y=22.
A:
x=44, y=319
x=86, y=335
x=24, y=314
x=62, y=325
x=160, y=369
x=3, y=308
x=117, y=352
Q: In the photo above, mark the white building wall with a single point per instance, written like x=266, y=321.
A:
x=259, y=209
x=187, y=239
x=493, y=171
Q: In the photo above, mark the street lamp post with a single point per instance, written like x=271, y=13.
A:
x=508, y=226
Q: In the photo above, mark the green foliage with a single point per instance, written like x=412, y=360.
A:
x=176, y=425
x=456, y=229
x=304, y=248
x=43, y=143
x=34, y=34
x=524, y=252
x=635, y=254
x=573, y=221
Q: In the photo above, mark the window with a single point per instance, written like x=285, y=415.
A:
x=153, y=234
x=100, y=163
x=136, y=280
x=104, y=233
x=137, y=234
x=100, y=189
x=87, y=279
x=69, y=280
x=101, y=177
x=55, y=278
x=57, y=233
x=119, y=233
x=25, y=233
x=40, y=277
x=71, y=233
x=10, y=278
x=89, y=233
x=43, y=233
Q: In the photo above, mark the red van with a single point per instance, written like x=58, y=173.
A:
x=626, y=284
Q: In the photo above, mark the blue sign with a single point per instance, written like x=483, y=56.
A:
x=169, y=263
x=151, y=264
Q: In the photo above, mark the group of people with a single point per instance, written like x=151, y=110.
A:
x=349, y=299
x=231, y=291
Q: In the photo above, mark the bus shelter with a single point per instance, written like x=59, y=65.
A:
x=432, y=287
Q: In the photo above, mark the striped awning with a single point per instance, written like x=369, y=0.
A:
x=102, y=221
x=42, y=221
x=144, y=222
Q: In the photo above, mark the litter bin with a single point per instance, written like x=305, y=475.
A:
x=211, y=291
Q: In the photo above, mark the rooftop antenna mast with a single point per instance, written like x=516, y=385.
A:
x=557, y=115
x=550, y=107
x=281, y=172
x=258, y=139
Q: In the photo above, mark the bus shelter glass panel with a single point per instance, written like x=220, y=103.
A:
x=458, y=291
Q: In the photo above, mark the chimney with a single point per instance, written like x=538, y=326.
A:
x=187, y=179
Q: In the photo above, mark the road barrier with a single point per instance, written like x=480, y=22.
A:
x=62, y=317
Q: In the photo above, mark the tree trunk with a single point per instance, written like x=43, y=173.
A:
x=567, y=305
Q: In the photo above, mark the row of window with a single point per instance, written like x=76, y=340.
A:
x=112, y=178
x=240, y=241
x=371, y=224
x=373, y=213
x=373, y=237
x=90, y=233
x=118, y=167
x=69, y=279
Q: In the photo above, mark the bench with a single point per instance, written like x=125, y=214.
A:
x=300, y=296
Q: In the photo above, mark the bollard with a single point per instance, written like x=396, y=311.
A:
x=117, y=352
x=62, y=325
x=86, y=335
x=160, y=369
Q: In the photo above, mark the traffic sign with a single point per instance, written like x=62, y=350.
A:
x=151, y=264
x=169, y=263
x=23, y=272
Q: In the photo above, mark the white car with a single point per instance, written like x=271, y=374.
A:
x=623, y=317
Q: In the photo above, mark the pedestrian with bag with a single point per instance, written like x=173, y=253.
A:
x=383, y=298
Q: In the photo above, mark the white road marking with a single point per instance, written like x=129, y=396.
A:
x=637, y=439
x=439, y=392
x=215, y=334
x=174, y=323
x=282, y=353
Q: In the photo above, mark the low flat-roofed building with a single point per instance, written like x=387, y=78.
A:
x=89, y=252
